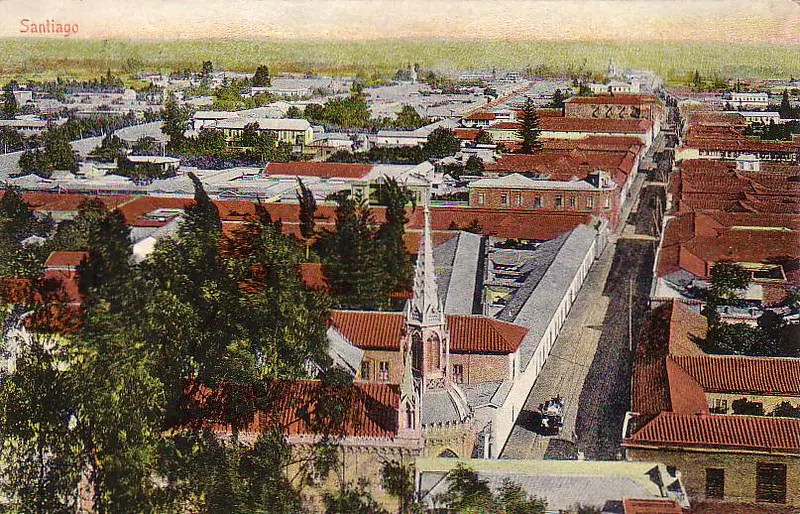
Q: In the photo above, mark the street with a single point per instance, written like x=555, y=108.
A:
x=590, y=364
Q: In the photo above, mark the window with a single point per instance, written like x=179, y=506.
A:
x=771, y=483
x=518, y=200
x=559, y=202
x=572, y=202
x=410, y=418
x=590, y=202
x=608, y=203
x=458, y=373
x=504, y=199
x=365, y=370
x=481, y=198
x=537, y=201
x=383, y=371
x=715, y=483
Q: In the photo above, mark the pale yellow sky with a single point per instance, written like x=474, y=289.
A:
x=747, y=21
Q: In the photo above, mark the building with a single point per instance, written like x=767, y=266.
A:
x=618, y=107
x=749, y=100
x=615, y=87
x=210, y=119
x=681, y=415
x=295, y=132
x=552, y=127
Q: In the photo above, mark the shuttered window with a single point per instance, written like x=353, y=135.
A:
x=715, y=483
x=771, y=483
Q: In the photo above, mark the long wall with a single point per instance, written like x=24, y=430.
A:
x=506, y=415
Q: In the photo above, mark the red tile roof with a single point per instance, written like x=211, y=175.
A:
x=530, y=225
x=720, y=431
x=481, y=115
x=68, y=202
x=466, y=134
x=65, y=259
x=615, y=99
x=608, y=126
x=468, y=334
x=373, y=410
x=631, y=506
x=313, y=277
x=318, y=169
x=559, y=165
x=745, y=375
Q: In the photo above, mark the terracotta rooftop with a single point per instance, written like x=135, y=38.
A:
x=608, y=126
x=319, y=169
x=373, y=411
x=720, y=431
x=481, y=115
x=745, y=375
x=65, y=259
x=468, y=334
x=615, y=99
x=559, y=165
x=631, y=506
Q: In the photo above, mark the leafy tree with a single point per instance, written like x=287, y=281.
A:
x=17, y=220
x=785, y=110
x=529, y=130
x=40, y=456
x=111, y=147
x=351, y=112
x=513, y=499
x=208, y=68
x=293, y=112
x=474, y=165
x=441, y=143
x=697, y=80
x=408, y=118
x=56, y=154
x=467, y=492
x=176, y=121
x=145, y=145
x=313, y=112
x=727, y=280
x=483, y=138
x=10, y=105
x=738, y=339
x=262, y=77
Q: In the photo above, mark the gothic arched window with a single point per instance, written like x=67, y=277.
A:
x=436, y=351
x=416, y=352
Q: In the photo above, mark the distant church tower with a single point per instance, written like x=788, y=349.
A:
x=427, y=341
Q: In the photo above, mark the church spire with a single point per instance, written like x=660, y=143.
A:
x=425, y=307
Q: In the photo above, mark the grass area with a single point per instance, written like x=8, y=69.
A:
x=47, y=58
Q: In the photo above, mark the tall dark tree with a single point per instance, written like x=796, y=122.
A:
x=352, y=257
x=176, y=121
x=262, y=77
x=397, y=268
x=207, y=69
x=529, y=129
x=10, y=105
x=308, y=206
x=558, y=99
x=785, y=109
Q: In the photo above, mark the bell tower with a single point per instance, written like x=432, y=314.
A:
x=427, y=341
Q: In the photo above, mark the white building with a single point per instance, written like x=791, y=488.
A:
x=749, y=99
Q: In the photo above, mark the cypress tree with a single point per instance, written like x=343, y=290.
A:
x=529, y=131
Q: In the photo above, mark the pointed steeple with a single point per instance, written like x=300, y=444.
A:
x=425, y=307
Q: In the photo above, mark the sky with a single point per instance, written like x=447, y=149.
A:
x=742, y=21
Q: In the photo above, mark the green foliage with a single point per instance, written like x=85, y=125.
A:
x=350, y=112
x=262, y=77
x=352, y=257
x=111, y=148
x=398, y=480
x=145, y=145
x=737, y=339
x=529, y=130
x=10, y=105
x=56, y=154
x=441, y=143
x=727, y=280
x=558, y=100
x=474, y=165
x=176, y=121
x=483, y=138
x=409, y=119
x=207, y=68
x=397, y=271
x=293, y=112
x=468, y=493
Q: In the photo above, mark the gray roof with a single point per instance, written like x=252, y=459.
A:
x=460, y=297
x=443, y=406
x=480, y=395
x=543, y=302
x=533, y=269
x=561, y=491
